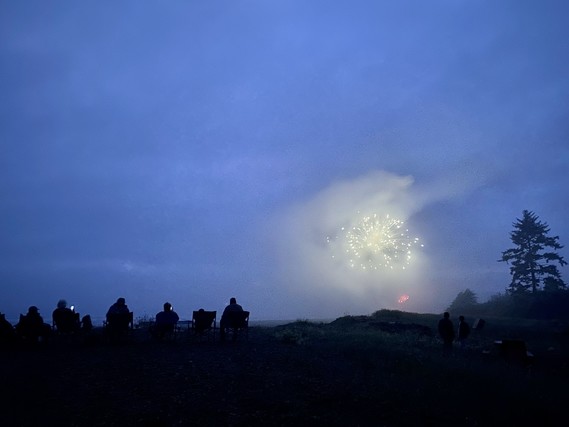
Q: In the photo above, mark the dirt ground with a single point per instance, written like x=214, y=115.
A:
x=266, y=380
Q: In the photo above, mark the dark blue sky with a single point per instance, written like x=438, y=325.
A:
x=194, y=151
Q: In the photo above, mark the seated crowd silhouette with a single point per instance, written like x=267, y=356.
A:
x=31, y=327
x=65, y=320
x=204, y=322
x=119, y=322
x=234, y=319
x=7, y=331
x=165, y=323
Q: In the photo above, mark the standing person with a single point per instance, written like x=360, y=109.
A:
x=446, y=332
x=463, y=331
x=166, y=321
x=225, y=321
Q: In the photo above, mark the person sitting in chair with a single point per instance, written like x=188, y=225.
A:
x=203, y=320
x=86, y=323
x=225, y=321
x=64, y=319
x=7, y=332
x=118, y=315
x=166, y=321
x=31, y=327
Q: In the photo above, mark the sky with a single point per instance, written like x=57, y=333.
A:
x=190, y=151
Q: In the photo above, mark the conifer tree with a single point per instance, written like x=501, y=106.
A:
x=531, y=264
x=465, y=302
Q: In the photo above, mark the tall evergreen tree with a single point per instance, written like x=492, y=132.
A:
x=531, y=265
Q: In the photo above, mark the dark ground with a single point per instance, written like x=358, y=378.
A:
x=300, y=374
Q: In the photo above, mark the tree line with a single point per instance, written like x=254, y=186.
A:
x=536, y=289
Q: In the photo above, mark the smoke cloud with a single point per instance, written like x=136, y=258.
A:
x=322, y=275
x=318, y=271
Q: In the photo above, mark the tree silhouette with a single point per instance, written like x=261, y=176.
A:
x=465, y=302
x=531, y=267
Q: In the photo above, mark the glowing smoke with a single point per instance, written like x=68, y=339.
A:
x=348, y=249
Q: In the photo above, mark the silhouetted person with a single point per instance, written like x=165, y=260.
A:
x=118, y=318
x=463, y=331
x=446, y=332
x=118, y=307
x=7, y=332
x=86, y=323
x=65, y=320
x=166, y=321
x=31, y=327
x=226, y=321
x=203, y=320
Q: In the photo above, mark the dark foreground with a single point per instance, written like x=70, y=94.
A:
x=344, y=374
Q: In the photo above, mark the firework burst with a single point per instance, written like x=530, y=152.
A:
x=376, y=242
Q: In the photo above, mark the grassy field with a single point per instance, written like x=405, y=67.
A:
x=381, y=370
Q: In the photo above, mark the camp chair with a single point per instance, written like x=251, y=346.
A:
x=118, y=325
x=237, y=323
x=478, y=324
x=67, y=324
x=123, y=321
x=163, y=332
x=204, y=323
x=32, y=332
